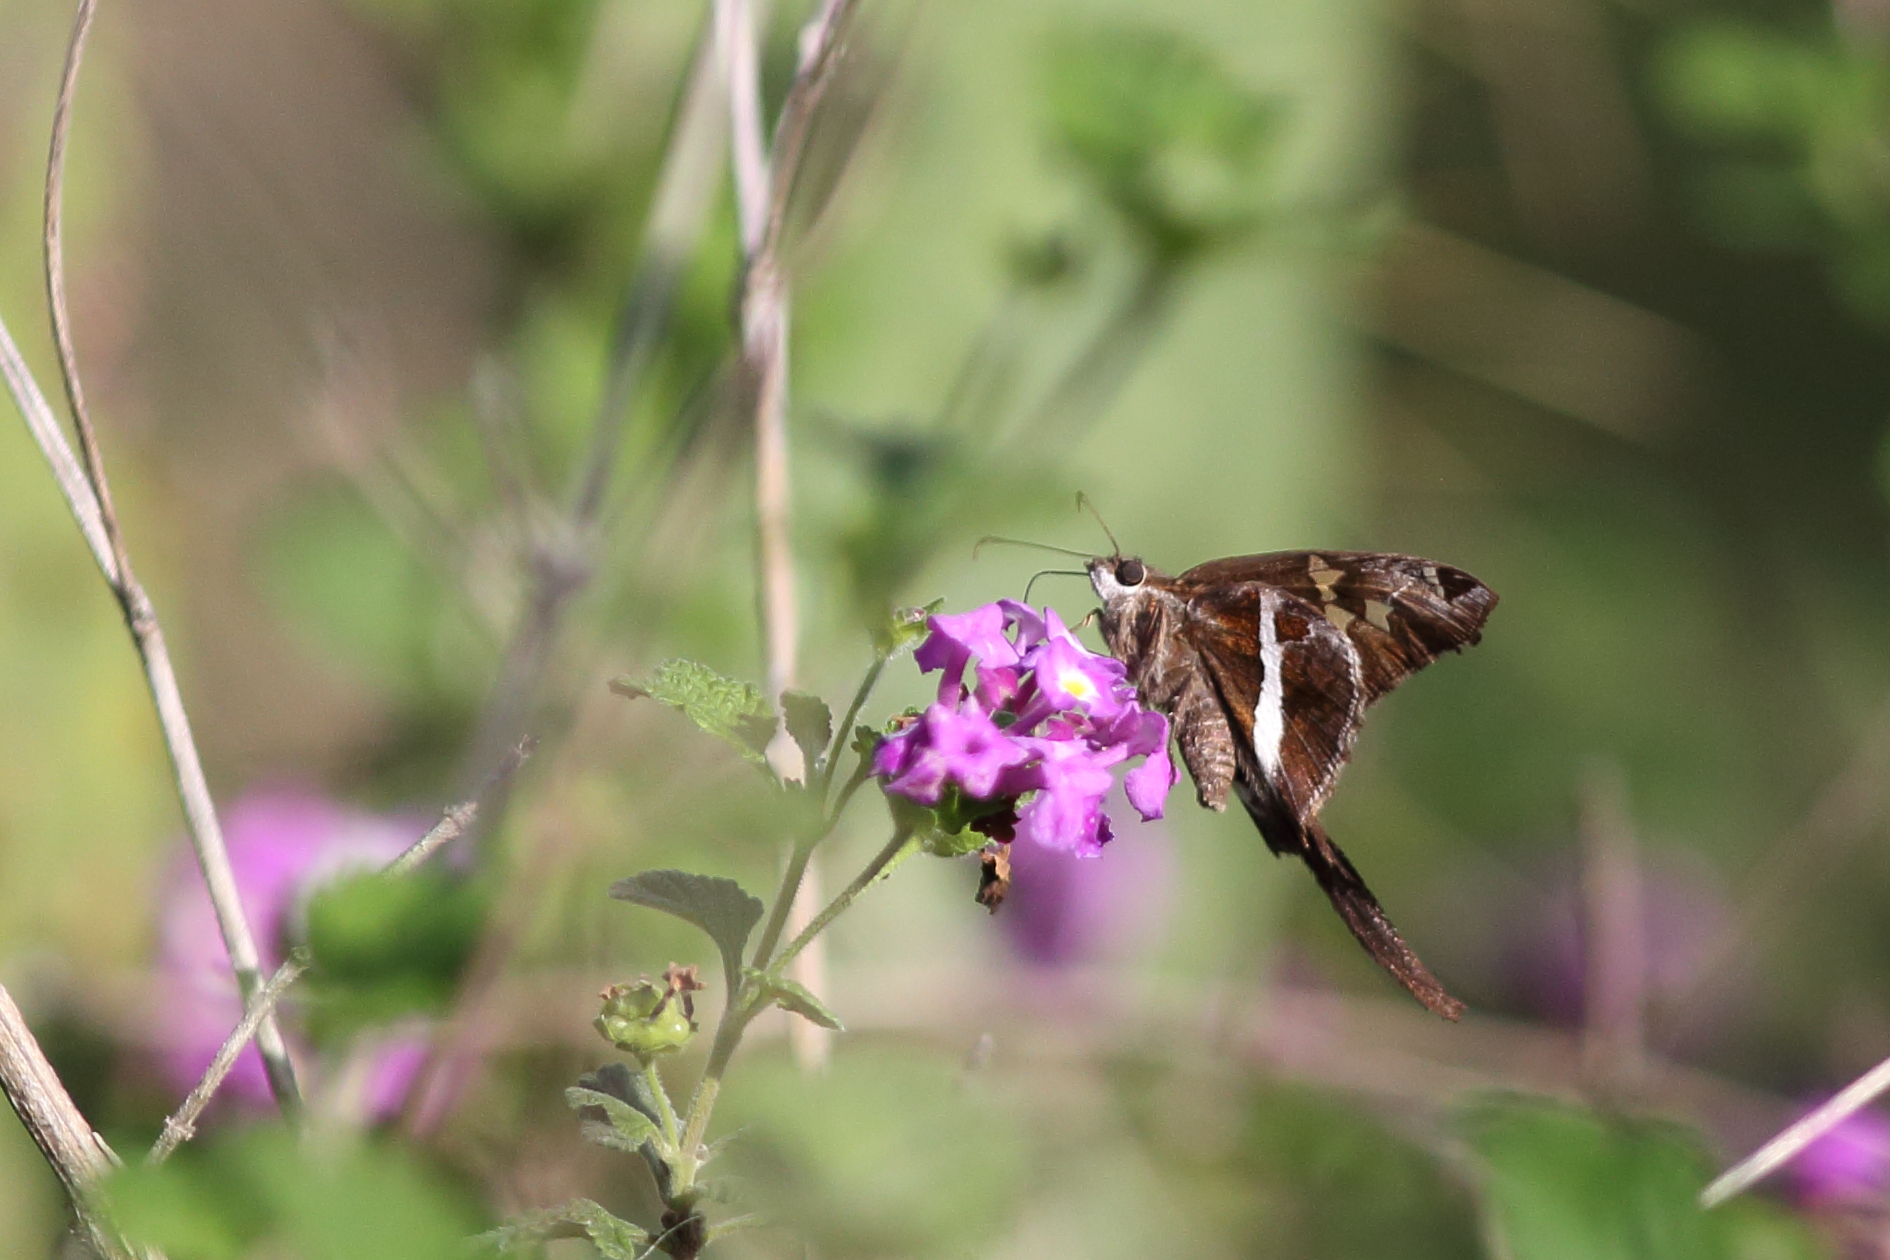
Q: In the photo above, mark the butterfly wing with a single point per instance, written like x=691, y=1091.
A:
x=1400, y=612
x=1292, y=685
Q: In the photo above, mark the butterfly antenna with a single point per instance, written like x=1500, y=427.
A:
x=1019, y=542
x=1050, y=573
x=1084, y=505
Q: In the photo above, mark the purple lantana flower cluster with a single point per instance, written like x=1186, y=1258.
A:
x=1026, y=732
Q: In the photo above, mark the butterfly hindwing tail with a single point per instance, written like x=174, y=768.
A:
x=1346, y=889
x=1362, y=913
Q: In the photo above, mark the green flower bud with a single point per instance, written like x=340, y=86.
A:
x=644, y=1019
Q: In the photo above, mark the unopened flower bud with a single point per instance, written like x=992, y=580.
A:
x=644, y=1019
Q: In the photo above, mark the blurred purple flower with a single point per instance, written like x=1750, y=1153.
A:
x=1063, y=910
x=1847, y=1166
x=283, y=845
x=1030, y=722
x=1532, y=960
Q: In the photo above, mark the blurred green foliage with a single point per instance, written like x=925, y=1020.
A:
x=1569, y=1184
x=266, y=1189
x=1797, y=124
x=385, y=947
x=887, y=1153
x=1166, y=136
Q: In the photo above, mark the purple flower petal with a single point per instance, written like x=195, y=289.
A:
x=1148, y=784
x=956, y=638
x=895, y=752
x=1071, y=677
x=1032, y=627
x=997, y=688
x=957, y=746
x=1066, y=812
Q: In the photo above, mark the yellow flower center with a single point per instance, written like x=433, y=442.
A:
x=1076, y=683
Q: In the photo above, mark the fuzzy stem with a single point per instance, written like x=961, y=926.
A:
x=671, y=1134
x=843, y=731
x=902, y=846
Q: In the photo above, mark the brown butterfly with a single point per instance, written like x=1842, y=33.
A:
x=1266, y=665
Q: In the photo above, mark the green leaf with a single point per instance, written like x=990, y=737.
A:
x=1565, y=1184
x=614, y=1237
x=944, y=831
x=791, y=995
x=625, y=1129
x=904, y=628
x=619, y=1081
x=720, y=907
x=730, y=710
x=809, y=723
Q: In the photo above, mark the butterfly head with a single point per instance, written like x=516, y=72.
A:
x=1116, y=578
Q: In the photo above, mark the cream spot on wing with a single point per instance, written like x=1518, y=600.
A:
x=1324, y=576
x=1339, y=617
x=1269, y=717
x=1430, y=576
x=1379, y=614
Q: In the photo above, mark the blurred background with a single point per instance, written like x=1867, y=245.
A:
x=1591, y=299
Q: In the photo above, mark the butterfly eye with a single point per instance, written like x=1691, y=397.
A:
x=1131, y=572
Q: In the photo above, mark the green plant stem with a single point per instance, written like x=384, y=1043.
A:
x=902, y=846
x=797, y=866
x=670, y=1128
x=784, y=899
x=736, y=1016
x=861, y=774
x=844, y=732
x=803, y=850
x=728, y=1035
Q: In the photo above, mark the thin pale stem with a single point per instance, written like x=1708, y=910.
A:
x=784, y=899
x=140, y=617
x=54, y=241
x=764, y=178
x=77, y=1155
x=803, y=850
x=728, y=1036
x=1848, y=1101
x=737, y=1014
x=181, y=1126
x=735, y=29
